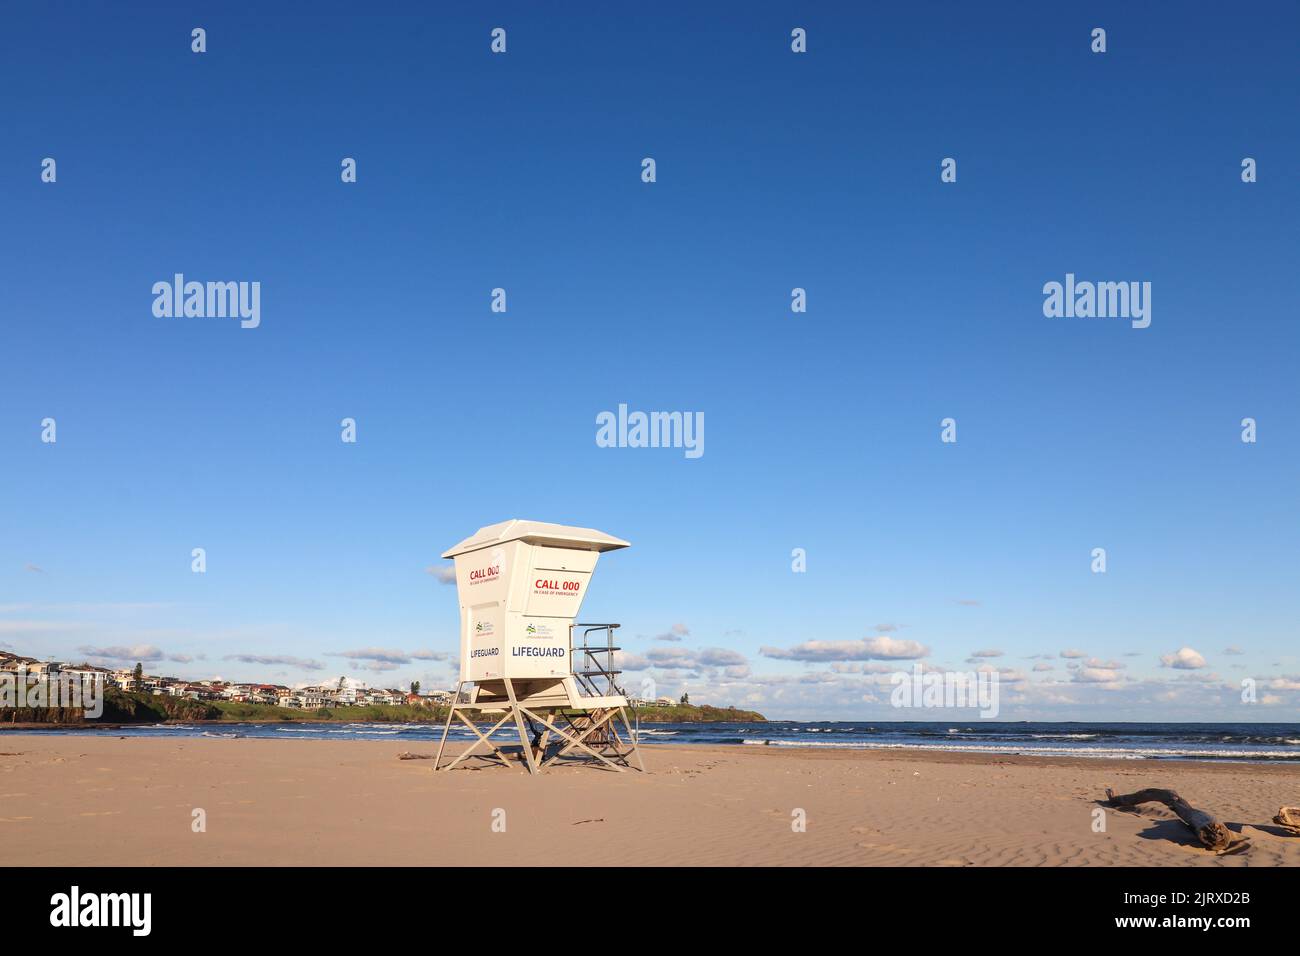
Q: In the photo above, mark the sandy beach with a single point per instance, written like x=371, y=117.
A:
x=104, y=800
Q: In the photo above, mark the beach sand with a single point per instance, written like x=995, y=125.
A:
x=104, y=800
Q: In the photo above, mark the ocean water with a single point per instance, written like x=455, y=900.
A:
x=1252, y=742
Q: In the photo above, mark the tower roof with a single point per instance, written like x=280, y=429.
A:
x=537, y=532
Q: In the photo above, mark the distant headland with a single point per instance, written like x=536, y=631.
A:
x=132, y=707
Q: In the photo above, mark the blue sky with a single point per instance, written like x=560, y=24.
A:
x=775, y=170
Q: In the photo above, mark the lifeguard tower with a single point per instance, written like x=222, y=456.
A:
x=525, y=660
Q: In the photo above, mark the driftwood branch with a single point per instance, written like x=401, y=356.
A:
x=1288, y=817
x=1212, y=834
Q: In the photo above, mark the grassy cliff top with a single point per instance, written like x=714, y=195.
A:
x=696, y=714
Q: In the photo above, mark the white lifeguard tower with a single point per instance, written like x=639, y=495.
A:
x=524, y=656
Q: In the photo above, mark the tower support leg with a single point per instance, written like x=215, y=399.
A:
x=524, y=740
x=446, y=728
x=631, y=736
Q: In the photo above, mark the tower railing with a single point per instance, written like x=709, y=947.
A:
x=593, y=659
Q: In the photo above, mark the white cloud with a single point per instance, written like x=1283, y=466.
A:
x=268, y=660
x=674, y=633
x=672, y=658
x=1096, y=675
x=869, y=648
x=720, y=657
x=1184, y=659
x=136, y=652
x=446, y=574
x=861, y=667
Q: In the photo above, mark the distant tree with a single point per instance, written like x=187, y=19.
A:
x=138, y=673
x=415, y=687
x=686, y=700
